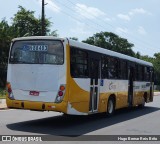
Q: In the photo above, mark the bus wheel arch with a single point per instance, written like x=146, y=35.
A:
x=111, y=105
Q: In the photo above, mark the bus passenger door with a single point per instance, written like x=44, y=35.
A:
x=151, y=85
x=130, y=85
x=94, y=84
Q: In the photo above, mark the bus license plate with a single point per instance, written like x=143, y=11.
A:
x=34, y=93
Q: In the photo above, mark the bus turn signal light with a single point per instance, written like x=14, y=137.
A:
x=9, y=90
x=61, y=93
x=62, y=88
x=9, y=87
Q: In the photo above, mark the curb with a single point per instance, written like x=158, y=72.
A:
x=4, y=108
x=2, y=101
x=156, y=93
x=3, y=105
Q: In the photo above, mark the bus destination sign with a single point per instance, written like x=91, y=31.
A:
x=35, y=48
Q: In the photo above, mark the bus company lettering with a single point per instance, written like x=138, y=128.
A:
x=112, y=86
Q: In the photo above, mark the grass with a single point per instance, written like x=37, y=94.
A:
x=2, y=93
x=156, y=91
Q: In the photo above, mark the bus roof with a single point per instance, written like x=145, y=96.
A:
x=89, y=47
x=38, y=37
x=107, y=52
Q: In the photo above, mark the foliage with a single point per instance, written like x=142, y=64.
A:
x=111, y=41
x=53, y=33
x=2, y=93
x=5, y=39
x=74, y=38
x=156, y=63
x=27, y=24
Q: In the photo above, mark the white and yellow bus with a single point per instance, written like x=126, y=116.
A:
x=58, y=74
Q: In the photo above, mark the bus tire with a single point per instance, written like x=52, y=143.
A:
x=110, y=106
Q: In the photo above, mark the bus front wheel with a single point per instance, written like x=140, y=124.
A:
x=110, y=106
x=142, y=105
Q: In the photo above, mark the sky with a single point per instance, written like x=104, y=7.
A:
x=136, y=20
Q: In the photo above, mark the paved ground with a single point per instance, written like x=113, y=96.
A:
x=124, y=122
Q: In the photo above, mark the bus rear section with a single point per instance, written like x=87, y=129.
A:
x=36, y=77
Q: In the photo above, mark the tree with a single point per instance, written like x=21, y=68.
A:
x=74, y=38
x=156, y=64
x=5, y=39
x=111, y=41
x=138, y=55
x=27, y=24
x=53, y=33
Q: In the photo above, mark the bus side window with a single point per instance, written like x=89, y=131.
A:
x=147, y=73
x=104, y=65
x=112, y=68
x=74, y=70
x=123, y=70
x=79, y=63
x=140, y=72
x=143, y=74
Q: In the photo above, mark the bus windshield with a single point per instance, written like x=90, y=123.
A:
x=37, y=52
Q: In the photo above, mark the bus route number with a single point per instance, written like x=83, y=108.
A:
x=36, y=47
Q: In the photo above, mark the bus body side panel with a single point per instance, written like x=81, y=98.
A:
x=79, y=95
x=140, y=88
x=78, y=98
x=113, y=87
x=78, y=102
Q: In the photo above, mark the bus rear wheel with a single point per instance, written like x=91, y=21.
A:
x=110, y=106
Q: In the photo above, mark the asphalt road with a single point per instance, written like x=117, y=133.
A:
x=136, y=121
